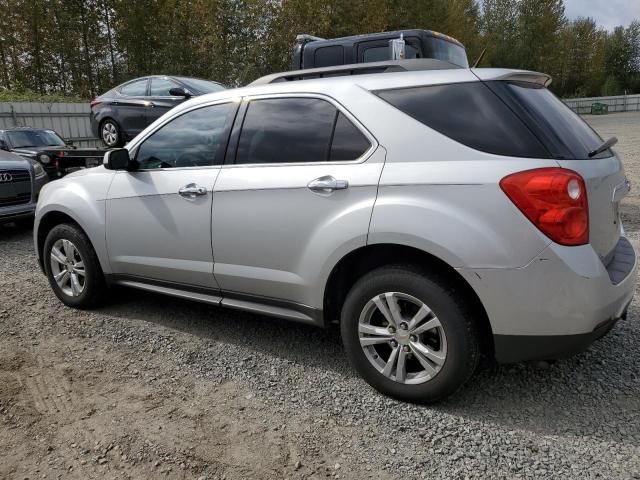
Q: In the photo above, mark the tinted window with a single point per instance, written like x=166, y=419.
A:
x=135, y=89
x=383, y=52
x=160, y=87
x=447, y=51
x=286, y=130
x=348, y=142
x=329, y=56
x=469, y=113
x=563, y=132
x=202, y=86
x=190, y=140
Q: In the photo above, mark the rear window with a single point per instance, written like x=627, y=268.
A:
x=447, y=51
x=469, y=113
x=563, y=132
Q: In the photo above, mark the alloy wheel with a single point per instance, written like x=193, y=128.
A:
x=402, y=338
x=109, y=133
x=67, y=268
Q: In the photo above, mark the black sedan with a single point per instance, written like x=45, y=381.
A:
x=47, y=147
x=120, y=114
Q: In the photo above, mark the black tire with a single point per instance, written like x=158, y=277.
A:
x=94, y=287
x=114, y=129
x=451, y=309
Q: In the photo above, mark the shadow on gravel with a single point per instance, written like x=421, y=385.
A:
x=303, y=344
x=596, y=393
x=15, y=232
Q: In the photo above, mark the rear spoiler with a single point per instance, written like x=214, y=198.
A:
x=487, y=74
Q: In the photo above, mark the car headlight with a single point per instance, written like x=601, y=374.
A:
x=38, y=170
x=44, y=158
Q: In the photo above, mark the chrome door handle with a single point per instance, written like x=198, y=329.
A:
x=192, y=190
x=327, y=184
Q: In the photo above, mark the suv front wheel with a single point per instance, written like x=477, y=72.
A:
x=72, y=267
x=411, y=335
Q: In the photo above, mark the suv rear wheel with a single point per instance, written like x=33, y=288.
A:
x=72, y=267
x=410, y=334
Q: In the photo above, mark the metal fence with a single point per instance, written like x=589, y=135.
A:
x=620, y=103
x=71, y=120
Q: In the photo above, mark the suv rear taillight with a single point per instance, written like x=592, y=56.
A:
x=554, y=199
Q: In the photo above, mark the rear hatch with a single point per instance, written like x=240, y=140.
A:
x=571, y=141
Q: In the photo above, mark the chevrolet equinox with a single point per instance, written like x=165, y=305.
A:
x=437, y=213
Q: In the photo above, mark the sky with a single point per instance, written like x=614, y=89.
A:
x=606, y=13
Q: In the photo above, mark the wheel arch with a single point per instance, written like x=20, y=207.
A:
x=362, y=260
x=51, y=219
x=46, y=224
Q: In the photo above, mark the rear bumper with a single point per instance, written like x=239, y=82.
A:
x=558, y=304
x=518, y=348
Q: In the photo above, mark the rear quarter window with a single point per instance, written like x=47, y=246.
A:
x=471, y=114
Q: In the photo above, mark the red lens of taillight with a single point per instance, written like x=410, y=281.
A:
x=94, y=102
x=554, y=200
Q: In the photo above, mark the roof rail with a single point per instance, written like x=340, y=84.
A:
x=357, y=69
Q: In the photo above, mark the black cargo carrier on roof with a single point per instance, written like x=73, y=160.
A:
x=314, y=52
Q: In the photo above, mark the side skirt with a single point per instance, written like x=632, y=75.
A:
x=251, y=303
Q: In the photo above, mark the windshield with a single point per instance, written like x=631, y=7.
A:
x=34, y=138
x=203, y=86
x=449, y=52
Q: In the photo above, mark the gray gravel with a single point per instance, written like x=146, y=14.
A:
x=577, y=418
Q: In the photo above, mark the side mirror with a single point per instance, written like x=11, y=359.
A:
x=117, y=159
x=68, y=142
x=3, y=145
x=179, y=92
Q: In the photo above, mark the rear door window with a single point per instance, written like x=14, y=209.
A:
x=135, y=89
x=297, y=130
x=348, y=143
x=471, y=114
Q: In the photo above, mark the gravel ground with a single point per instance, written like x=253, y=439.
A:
x=152, y=387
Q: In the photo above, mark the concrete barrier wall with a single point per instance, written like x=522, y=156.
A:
x=621, y=103
x=70, y=120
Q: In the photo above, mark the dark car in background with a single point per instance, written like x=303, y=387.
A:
x=315, y=52
x=45, y=146
x=20, y=182
x=120, y=114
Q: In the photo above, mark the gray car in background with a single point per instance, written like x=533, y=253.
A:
x=124, y=111
x=20, y=182
x=436, y=213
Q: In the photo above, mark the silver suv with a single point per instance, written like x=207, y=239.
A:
x=436, y=213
